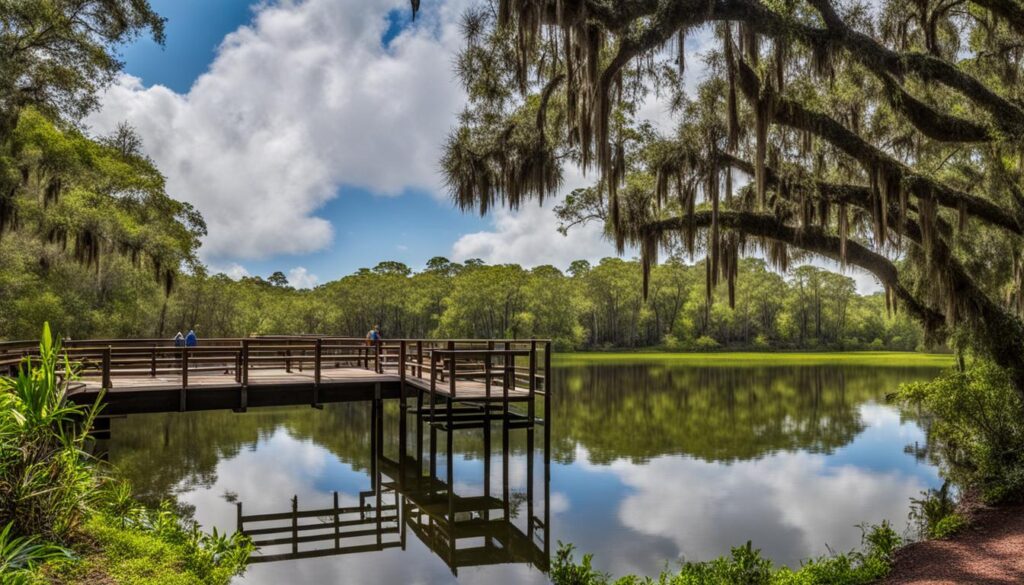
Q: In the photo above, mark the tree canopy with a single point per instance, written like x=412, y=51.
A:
x=886, y=136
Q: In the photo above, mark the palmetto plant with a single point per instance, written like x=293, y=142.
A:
x=46, y=480
x=24, y=552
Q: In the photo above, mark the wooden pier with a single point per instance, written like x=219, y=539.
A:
x=153, y=375
x=443, y=386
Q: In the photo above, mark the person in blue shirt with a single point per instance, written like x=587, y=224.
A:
x=373, y=336
x=191, y=340
x=179, y=340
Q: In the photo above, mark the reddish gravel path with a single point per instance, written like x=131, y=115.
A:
x=991, y=552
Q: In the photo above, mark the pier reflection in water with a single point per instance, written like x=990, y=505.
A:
x=406, y=495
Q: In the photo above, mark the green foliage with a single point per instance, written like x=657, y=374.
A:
x=977, y=427
x=23, y=553
x=934, y=513
x=159, y=552
x=47, y=481
x=948, y=526
x=52, y=492
x=592, y=307
x=746, y=566
x=706, y=343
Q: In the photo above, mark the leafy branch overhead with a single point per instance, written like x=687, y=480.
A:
x=96, y=196
x=890, y=137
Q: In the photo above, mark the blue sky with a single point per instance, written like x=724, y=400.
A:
x=353, y=213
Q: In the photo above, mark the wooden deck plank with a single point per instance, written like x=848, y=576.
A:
x=142, y=381
x=257, y=378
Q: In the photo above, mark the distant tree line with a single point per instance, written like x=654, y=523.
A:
x=587, y=307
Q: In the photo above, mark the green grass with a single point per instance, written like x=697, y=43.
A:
x=761, y=359
x=130, y=556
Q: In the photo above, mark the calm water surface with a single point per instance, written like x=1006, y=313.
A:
x=650, y=464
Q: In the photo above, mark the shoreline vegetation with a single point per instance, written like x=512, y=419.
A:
x=758, y=358
x=65, y=518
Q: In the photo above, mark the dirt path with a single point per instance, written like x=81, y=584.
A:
x=991, y=551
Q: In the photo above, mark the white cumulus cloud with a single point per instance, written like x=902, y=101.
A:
x=300, y=277
x=304, y=99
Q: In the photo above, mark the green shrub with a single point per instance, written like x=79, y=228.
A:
x=53, y=493
x=746, y=566
x=948, y=526
x=977, y=426
x=706, y=343
x=47, y=481
x=932, y=510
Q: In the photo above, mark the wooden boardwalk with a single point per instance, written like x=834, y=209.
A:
x=148, y=375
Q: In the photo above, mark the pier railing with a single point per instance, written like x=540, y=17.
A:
x=495, y=368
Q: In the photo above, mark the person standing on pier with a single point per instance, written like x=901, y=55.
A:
x=374, y=339
x=191, y=340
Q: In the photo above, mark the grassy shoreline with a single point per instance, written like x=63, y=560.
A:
x=761, y=359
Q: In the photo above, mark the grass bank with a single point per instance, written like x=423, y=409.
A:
x=761, y=359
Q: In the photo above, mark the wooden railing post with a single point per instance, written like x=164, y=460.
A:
x=531, y=408
x=433, y=384
x=487, y=371
x=245, y=363
x=107, y=385
x=184, y=367
x=419, y=356
x=547, y=417
x=401, y=376
x=451, y=382
x=317, y=356
x=152, y=363
x=509, y=373
x=287, y=362
x=376, y=357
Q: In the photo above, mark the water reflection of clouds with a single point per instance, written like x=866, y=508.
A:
x=279, y=466
x=792, y=505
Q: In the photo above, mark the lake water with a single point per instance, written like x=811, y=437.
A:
x=649, y=464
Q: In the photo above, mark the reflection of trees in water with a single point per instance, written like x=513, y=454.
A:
x=715, y=414
x=635, y=412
